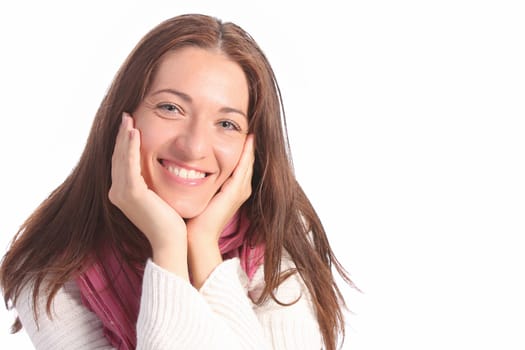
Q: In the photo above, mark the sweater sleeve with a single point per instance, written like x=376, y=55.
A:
x=174, y=315
x=71, y=325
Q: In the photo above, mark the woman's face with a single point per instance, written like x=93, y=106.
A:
x=193, y=124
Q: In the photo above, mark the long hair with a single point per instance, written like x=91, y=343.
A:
x=77, y=220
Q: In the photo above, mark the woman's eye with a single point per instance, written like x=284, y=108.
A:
x=229, y=125
x=168, y=107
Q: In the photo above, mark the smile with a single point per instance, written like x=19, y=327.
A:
x=183, y=172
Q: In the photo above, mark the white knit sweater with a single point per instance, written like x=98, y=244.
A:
x=174, y=315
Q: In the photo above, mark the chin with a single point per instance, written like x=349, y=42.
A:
x=188, y=210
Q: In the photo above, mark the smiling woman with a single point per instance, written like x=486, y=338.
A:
x=182, y=226
x=193, y=127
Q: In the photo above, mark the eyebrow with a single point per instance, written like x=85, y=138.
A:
x=188, y=99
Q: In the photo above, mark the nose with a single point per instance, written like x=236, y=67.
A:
x=193, y=142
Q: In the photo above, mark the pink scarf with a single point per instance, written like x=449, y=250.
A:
x=108, y=303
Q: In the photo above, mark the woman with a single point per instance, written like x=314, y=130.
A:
x=182, y=226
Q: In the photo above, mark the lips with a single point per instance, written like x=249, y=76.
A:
x=182, y=172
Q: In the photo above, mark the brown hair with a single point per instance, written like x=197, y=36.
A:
x=77, y=220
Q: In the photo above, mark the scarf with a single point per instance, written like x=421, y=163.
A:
x=116, y=301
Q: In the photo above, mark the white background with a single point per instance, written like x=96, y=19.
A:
x=406, y=124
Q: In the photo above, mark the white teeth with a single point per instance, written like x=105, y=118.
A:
x=186, y=174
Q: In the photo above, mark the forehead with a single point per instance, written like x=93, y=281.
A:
x=203, y=74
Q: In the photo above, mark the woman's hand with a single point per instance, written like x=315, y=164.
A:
x=161, y=224
x=204, y=230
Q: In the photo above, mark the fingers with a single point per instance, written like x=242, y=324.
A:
x=125, y=163
x=245, y=166
x=133, y=150
x=248, y=154
x=239, y=184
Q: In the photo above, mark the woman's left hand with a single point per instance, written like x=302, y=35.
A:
x=204, y=230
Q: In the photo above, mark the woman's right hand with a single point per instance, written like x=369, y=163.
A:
x=162, y=225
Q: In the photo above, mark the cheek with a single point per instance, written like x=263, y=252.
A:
x=150, y=135
x=229, y=155
x=147, y=142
